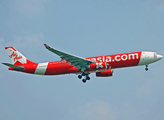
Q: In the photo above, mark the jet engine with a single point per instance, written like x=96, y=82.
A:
x=105, y=73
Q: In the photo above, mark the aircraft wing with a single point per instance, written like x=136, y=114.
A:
x=80, y=63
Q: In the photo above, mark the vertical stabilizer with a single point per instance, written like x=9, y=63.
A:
x=16, y=57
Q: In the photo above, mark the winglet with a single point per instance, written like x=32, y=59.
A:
x=47, y=46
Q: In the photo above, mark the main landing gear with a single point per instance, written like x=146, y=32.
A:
x=86, y=77
x=146, y=68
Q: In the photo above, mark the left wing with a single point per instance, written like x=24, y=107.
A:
x=80, y=63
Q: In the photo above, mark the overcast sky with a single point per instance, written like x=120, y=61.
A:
x=84, y=28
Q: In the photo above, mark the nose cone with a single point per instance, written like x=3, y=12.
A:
x=159, y=57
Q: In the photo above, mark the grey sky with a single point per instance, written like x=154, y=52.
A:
x=83, y=28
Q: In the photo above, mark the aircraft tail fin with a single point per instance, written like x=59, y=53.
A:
x=14, y=66
x=16, y=57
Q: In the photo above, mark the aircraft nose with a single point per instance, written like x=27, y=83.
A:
x=159, y=56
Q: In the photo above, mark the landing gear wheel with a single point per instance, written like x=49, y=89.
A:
x=87, y=78
x=83, y=74
x=146, y=69
x=79, y=76
x=84, y=80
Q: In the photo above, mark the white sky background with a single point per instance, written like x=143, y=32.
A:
x=83, y=28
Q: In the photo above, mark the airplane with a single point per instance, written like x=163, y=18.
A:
x=70, y=64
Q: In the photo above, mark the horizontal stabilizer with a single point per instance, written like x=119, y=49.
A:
x=14, y=66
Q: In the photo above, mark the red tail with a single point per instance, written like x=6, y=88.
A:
x=16, y=57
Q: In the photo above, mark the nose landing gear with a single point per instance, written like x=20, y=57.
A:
x=146, y=68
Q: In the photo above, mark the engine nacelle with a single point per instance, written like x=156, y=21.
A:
x=105, y=73
x=99, y=66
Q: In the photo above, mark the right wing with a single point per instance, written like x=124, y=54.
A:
x=80, y=63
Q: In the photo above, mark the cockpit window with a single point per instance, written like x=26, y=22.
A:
x=155, y=55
